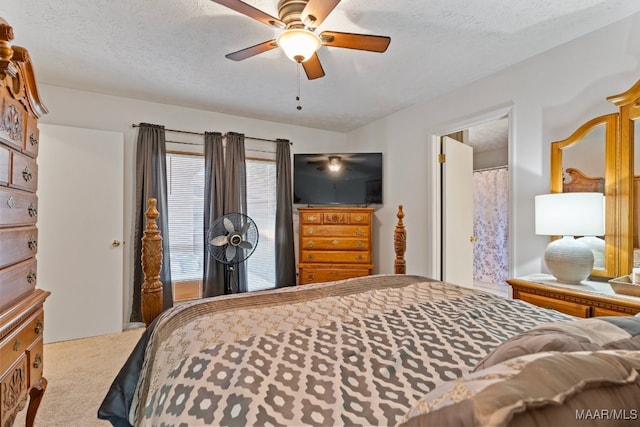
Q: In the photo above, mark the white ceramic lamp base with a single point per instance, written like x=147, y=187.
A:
x=569, y=260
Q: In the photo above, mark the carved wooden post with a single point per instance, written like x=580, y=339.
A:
x=151, y=293
x=6, y=52
x=400, y=244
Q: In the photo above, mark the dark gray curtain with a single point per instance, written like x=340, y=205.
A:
x=151, y=181
x=213, y=280
x=285, y=252
x=235, y=192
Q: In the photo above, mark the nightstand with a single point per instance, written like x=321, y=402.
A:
x=588, y=299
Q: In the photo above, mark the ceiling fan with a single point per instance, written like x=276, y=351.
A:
x=299, y=20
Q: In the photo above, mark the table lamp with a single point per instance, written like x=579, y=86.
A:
x=569, y=215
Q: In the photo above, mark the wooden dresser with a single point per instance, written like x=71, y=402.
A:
x=21, y=303
x=589, y=299
x=335, y=244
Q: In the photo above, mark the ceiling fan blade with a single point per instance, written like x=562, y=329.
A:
x=313, y=67
x=251, y=12
x=252, y=51
x=316, y=11
x=355, y=41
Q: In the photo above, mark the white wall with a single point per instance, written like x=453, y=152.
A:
x=551, y=95
x=548, y=97
x=102, y=112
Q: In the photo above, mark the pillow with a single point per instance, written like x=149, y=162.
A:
x=595, y=333
x=548, y=388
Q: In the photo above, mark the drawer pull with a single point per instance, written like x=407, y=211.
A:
x=313, y=218
x=26, y=174
x=359, y=245
x=334, y=242
x=311, y=244
x=310, y=277
x=310, y=257
x=31, y=277
x=359, y=258
x=33, y=140
x=16, y=345
x=32, y=210
x=11, y=202
x=32, y=243
x=310, y=231
x=359, y=218
x=360, y=232
x=39, y=326
x=37, y=362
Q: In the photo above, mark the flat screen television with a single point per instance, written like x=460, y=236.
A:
x=337, y=178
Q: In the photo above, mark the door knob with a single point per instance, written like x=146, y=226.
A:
x=115, y=243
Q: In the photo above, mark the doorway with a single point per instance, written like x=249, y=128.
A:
x=488, y=242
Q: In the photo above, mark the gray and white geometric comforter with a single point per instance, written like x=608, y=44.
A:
x=355, y=352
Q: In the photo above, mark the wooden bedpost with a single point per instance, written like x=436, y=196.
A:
x=400, y=244
x=151, y=293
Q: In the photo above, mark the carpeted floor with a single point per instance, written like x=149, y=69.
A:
x=79, y=374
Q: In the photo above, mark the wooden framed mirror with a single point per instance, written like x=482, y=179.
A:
x=586, y=162
x=610, y=142
x=628, y=221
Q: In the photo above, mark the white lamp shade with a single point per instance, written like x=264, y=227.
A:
x=570, y=214
x=299, y=44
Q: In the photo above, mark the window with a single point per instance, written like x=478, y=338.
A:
x=185, y=181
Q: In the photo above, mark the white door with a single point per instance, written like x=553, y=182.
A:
x=80, y=222
x=457, y=212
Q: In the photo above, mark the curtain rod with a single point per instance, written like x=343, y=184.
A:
x=202, y=133
x=491, y=169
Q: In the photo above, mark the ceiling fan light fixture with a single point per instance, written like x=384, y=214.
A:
x=299, y=44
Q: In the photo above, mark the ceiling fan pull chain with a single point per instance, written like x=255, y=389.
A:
x=299, y=106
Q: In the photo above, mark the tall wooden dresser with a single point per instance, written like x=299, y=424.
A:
x=335, y=244
x=21, y=303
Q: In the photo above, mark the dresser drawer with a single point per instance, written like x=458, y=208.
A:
x=35, y=358
x=359, y=218
x=21, y=339
x=318, y=275
x=350, y=257
x=32, y=138
x=335, y=218
x=333, y=243
x=5, y=161
x=13, y=389
x=16, y=281
x=335, y=231
x=12, y=118
x=24, y=173
x=573, y=309
x=18, y=208
x=311, y=218
x=17, y=244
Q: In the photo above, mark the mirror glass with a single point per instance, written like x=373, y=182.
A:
x=583, y=170
x=585, y=162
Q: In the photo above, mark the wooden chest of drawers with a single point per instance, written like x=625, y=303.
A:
x=21, y=303
x=335, y=244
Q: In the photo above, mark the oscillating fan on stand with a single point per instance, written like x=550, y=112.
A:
x=232, y=239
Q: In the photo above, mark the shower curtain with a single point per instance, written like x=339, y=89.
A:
x=491, y=225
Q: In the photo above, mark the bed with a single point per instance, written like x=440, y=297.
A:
x=390, y=349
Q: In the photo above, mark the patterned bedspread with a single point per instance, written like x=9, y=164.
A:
x=354, y=352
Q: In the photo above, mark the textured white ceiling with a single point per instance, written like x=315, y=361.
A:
x=172, y=51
